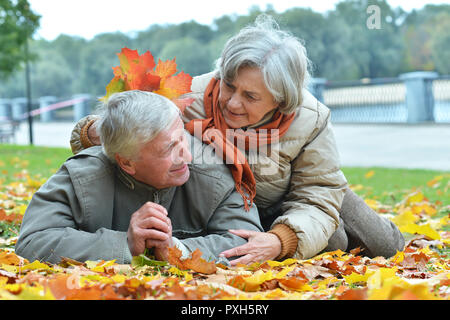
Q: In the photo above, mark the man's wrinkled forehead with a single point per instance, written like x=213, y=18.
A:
x=171, y=135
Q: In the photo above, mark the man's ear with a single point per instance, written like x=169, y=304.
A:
x=126, y=165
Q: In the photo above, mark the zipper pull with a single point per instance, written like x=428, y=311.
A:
x=156, y=197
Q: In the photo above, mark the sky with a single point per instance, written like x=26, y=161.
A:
x=87, y=18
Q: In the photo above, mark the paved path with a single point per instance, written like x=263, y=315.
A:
x=362, y=145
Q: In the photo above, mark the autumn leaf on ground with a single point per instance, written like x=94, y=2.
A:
x=195, y=263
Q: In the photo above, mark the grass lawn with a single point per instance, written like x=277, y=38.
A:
x=383, y=184
x=38, y=161
x=390, y=185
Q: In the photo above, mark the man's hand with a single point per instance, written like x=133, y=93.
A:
x=149, y=227
x=261, y=246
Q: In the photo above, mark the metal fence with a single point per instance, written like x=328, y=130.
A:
x=441, y=94
x=411, y=98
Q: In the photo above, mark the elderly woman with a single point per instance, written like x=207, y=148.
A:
x=258, y=94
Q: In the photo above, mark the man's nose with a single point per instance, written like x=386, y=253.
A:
x=183, y=155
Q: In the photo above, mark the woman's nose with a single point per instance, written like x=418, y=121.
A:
x=235, y=102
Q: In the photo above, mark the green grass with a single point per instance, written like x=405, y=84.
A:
x=386, y=185
x=38, y=161
x=390, y=185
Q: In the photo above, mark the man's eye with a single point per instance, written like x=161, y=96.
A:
x=250, y=97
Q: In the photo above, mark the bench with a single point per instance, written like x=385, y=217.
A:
x=7, y=130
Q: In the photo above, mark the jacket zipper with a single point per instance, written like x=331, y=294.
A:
x=156, y=197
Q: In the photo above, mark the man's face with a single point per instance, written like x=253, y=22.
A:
x=162, y=162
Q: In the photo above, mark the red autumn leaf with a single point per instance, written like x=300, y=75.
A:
x=195, y=263
x=240, y=283
x=353, y=294
x=198, y=264
x=181, y=83
x=292, y=283
x=64, y=288
x=10, y=258
x=13, y=217
x=165, y=69
x=139, y=72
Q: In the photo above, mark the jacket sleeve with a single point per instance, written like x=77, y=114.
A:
x=50, y=229
x=230, y=214
x=311, y=206
x=75, y=137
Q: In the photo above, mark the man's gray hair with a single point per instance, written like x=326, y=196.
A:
x=280, y=56
x=131, y=119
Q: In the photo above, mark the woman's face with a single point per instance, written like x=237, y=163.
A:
x=245, y=100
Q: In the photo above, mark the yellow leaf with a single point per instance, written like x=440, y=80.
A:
x=187, y=276
x=405, y=218
x=434, y=181
x=424, y=229
x=276, y=294
x=399, y=257
x=415, y=198
x=35, y=265
x=377, y=279
x=286, y=262
x=369, y=174
x=373, y=204
x=424, y=207
x=259, y=277
x=35, y=292
x=356, y=277
x=99, y=266
x=118, y=278
x=284, y=272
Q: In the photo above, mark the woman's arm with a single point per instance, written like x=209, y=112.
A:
x=317, y=187
x=84, y=135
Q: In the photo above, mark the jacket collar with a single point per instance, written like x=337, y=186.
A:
x=132, y=184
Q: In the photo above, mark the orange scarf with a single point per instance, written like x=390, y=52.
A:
x=215, y=131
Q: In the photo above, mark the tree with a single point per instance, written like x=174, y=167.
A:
x=191, y=56
x=426, y=37
x=18, y=23
x=376, y=52
x=98, y=58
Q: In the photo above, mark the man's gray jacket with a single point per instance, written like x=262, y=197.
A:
x=83, y=211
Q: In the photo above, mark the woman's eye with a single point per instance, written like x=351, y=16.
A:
x=229, y=85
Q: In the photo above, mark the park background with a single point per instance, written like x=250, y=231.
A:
x=387, y=86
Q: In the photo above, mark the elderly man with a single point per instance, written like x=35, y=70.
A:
x=142, y=190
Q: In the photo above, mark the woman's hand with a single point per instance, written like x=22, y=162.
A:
x=92, y=134
x=261, y=246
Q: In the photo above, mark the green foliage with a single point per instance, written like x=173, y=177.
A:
x=339, y=44
x=18, y=23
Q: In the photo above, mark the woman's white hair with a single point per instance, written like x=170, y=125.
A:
x=280, y=56
x=131, y=119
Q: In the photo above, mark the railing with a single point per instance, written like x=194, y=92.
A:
x=416, y=97
x=47, y=109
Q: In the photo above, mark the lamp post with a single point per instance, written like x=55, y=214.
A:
x=28, y=87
